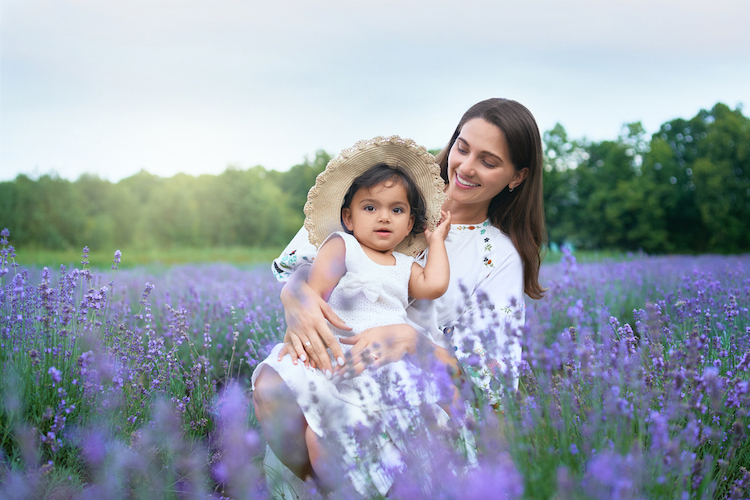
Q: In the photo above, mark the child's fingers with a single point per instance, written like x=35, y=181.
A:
x=351, y=341
x=288, y=349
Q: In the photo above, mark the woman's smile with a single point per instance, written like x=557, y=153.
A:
x=462, y=182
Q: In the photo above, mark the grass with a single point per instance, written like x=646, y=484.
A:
x=589, y=256
x=102, y=259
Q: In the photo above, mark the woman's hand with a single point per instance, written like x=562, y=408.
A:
x=307, y=331
x=379, y=346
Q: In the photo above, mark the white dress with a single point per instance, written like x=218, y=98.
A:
x=367, y=295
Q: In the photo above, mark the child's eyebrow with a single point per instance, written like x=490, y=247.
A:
x=373, y=200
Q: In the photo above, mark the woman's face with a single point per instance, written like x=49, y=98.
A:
x=479, y=165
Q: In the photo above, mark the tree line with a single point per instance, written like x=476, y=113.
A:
x=684, y=189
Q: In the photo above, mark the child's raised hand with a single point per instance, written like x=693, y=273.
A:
x=441, y=231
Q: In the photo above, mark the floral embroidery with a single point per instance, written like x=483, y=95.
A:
x=284, y=266
x=472, y=227
x=289, y=260
x=488, y=262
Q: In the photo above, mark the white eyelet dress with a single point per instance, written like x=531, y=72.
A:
x=368, y=295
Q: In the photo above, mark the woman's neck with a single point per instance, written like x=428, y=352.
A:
x=463, y=213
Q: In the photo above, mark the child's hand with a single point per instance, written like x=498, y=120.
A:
x=441, y=231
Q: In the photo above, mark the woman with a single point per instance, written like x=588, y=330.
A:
x=493, y=170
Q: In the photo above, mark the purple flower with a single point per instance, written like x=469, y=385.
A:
x=117, y=259
x=55, y=374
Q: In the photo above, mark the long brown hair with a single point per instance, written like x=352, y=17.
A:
x=518, y=213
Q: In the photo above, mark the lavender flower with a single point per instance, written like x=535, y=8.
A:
x=117, y=259
x=55, y=374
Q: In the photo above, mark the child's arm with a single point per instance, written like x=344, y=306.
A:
x=328, y=268
x=431, y=281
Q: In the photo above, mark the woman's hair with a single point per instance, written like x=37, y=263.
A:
x=382, y=172
x=518, y=213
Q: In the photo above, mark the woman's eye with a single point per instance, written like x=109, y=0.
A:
x=488, y=164
x=460, y=149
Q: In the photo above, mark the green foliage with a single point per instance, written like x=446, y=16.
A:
x=299, y=179
x=248, y=208
x=687, y=189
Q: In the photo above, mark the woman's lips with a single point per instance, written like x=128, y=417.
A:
x=460, y=181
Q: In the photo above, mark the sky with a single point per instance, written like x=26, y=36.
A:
x=110, y=88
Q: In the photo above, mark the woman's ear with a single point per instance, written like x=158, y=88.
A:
x=518, y=178
x=346, y=216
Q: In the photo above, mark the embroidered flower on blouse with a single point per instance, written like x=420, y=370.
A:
x=473, y=227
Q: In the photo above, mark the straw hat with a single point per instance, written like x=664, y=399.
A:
x=324, y=200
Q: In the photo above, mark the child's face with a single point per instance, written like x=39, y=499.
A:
x=380, y=217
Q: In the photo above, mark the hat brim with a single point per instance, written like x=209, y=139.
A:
x=325, y=198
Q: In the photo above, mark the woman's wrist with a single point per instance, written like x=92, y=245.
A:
x=297, y=279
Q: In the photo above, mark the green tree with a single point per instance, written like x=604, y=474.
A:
x=561, y=201
x=721, y=174
x=298, y=180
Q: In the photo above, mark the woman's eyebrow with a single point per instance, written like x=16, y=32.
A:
x=482, y=152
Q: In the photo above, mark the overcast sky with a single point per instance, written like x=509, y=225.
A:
x=112, y=87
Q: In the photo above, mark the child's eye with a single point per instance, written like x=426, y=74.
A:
x=369, y=208
x=398, y=210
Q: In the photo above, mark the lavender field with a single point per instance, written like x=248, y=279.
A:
x=135, y=384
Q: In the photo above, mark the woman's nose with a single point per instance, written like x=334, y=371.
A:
x=467, y=168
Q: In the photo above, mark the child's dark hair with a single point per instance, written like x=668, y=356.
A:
x=383, y=172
